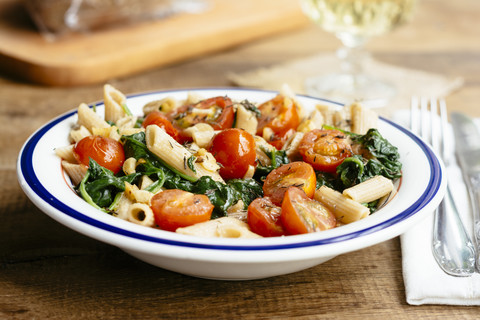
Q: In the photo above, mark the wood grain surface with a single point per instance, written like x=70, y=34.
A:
x=50, y=272
x=97, y=56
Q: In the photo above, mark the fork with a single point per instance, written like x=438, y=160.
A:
x=451, y=245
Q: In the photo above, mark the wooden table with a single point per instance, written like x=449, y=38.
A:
x=50, y=272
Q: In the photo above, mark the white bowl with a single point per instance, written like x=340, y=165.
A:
x=39, y=172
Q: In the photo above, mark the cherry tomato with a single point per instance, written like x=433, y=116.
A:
x=300, y=214
x=263, y=217
x=217, y=112
x=280, y=115
x=234, y=149
x=177, y=208
x=297, y=174
x=159, y=119
x=106, y=152
x=325, y=149
x=278, y=140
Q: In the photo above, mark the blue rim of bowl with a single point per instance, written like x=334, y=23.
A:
x=31, y=179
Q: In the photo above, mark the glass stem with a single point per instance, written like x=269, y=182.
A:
x=352, y=55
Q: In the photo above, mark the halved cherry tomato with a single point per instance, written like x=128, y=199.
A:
x=263, y=217
x=234, y=149
x=300, y=214
x=280, y=115
x=177, y=208
x=325, y=149
x=278, y=140
x=297, y=174
x=217, y=112
x=160, y=119
x=106, y=152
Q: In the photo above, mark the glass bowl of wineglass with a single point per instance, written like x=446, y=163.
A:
x=354, y=22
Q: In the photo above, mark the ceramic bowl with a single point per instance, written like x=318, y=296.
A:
x=39, y=172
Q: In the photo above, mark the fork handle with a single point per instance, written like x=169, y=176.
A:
x=473, y=187
x=452, y=248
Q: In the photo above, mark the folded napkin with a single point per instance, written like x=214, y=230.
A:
x=425, y=282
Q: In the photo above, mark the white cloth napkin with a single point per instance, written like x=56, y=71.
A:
x=425, y=282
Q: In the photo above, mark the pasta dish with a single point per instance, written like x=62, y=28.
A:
x=216, y=167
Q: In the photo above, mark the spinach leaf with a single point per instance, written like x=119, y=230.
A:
x=351, y=171
x=277, y=158
x=100, y=185
x=221, y=195
x=248, y=189
x=381, y=149
x=383, y=160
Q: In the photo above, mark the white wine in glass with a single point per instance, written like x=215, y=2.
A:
x=354, y=22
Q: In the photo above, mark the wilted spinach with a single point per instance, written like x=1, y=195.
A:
x=100, y=185
x=383, y=160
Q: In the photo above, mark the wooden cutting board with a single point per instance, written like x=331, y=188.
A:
x=98, y=56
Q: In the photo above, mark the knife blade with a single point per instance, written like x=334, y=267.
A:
x=467, y=150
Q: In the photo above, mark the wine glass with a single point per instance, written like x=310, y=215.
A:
x=354, y=22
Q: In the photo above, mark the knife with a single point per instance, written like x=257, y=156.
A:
x=467, y=149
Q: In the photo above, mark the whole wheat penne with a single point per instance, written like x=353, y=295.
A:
x=342, y=118
x=345, y=209
x=363, y=119
x=327, y=113
x=369, y=190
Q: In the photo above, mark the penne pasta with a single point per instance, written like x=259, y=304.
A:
x=89, y=119
x=66, y=153
x=291, y=146
x=136, y=195
x=370, y=190
x=115, y=103
x=362, y=119
x=342, y=119
x=122, y=207
x=246, y=120
x=163, y=105
x=129, y=166
x=174, y=154
x=345, y=209
x=314, y=121
x=76, y=172
x=226, y=227
x=79, y=133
